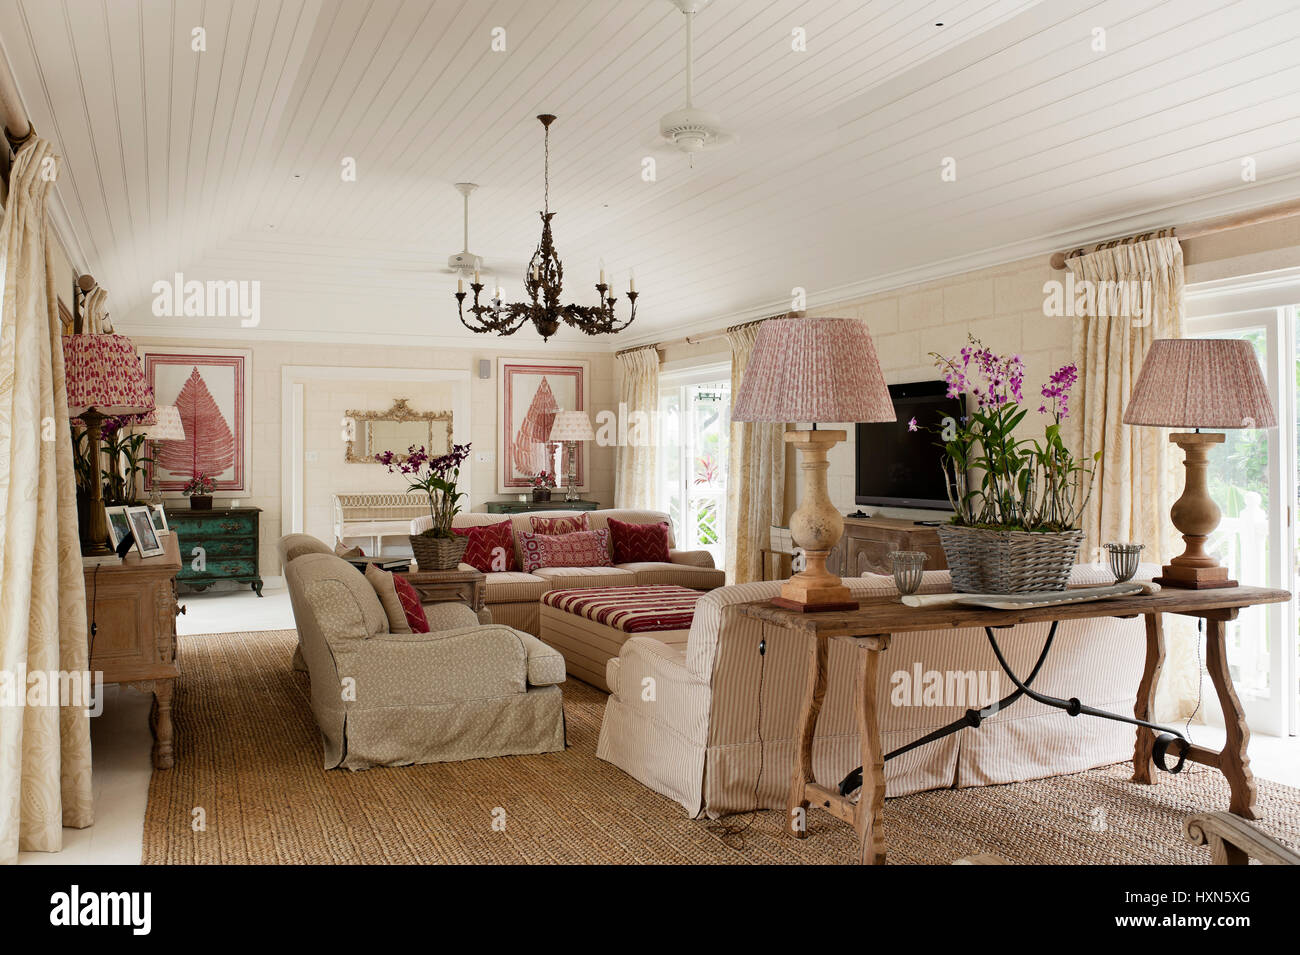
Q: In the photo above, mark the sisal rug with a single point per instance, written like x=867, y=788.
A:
x=248, y=767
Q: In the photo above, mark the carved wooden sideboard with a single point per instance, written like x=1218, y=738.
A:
x=867, y=542
x=131, y=613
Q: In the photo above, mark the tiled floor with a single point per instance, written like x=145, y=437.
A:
x=121, y=739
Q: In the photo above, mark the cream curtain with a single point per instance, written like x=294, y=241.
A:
x=1137, y=477
x=636, y=457
x=44, y=750
x=755, y=474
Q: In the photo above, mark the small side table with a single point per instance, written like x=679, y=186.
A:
x=440, y=586
x=556, y=503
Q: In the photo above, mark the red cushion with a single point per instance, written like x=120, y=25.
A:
x=560, y=525
x=638, y=543
x=415, y=618
x=491, y=547
x=579, y=549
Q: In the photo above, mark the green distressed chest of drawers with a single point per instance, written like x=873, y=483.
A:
x=220, y=544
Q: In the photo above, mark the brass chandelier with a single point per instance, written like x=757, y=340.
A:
x=544, y=283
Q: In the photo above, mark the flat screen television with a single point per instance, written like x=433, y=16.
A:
x=901, y=468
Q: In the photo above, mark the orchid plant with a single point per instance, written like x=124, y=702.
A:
x=435, y=477
x=1023, y=483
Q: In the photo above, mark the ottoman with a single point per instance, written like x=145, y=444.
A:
x=591, y=626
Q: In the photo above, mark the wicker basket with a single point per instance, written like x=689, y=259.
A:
x=1008, y=562
x=438, y=553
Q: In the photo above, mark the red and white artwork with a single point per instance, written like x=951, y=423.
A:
x=209, y=391
x=529, y=393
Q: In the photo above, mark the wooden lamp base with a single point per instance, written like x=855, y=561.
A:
x=1196, y=516
x=815, y=528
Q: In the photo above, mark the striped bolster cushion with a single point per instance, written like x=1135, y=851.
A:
x=630, y=609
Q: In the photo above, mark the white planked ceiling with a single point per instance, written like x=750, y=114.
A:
x=226, y=163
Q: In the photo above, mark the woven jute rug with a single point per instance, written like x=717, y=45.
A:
x=248, y=755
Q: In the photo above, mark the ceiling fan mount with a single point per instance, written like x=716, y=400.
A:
x=464, y=261
x=690, y=130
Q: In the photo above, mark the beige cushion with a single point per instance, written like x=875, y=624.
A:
x=508, y=587
x=582, y=578
x=545, y=663
x=343, y=550
x=386, y=591
x=652, y=573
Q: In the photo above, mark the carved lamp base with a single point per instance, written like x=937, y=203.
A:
x=815, y=528
x=1196, y=516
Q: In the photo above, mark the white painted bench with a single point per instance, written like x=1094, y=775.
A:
x=375, y=516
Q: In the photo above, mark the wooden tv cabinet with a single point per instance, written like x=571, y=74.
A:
x=867, y=542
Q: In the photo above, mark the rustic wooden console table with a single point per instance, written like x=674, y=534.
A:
x=869, y=629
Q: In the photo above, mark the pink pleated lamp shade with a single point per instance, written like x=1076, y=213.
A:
x=813, y=369
x=103, y=372
x=1200, y=383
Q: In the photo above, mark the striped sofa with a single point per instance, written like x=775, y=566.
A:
x=513, y=596
x=701, y=743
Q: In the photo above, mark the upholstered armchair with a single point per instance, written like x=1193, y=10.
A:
x=383, y=699
x=292, y=546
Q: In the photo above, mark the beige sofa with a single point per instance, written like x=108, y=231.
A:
x=698, y=740
x=464, y=691
x=513, y=596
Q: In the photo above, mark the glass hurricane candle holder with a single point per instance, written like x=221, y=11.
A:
x=1123, y=560
x=908, y=565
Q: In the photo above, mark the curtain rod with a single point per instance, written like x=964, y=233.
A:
x=720, y=333
x=1195, y=230
x=13, y=117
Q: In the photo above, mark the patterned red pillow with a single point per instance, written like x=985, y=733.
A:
x=579, y=549
x=415, y=617
x=637, y=543
x=491, y=547
x=560, y=525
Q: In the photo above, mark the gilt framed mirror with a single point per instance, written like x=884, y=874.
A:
x=401, y=426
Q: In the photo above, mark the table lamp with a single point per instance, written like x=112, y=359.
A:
x=163, y=425
x=571, y=427
x=1198, y=383
x=103, y=378
x=813, y=369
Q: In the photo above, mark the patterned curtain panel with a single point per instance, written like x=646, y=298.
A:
x=635, y=463
x=44, y=749
x=755, y=475
x=1134, y=296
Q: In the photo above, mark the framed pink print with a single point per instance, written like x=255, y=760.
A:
x=210, y=390
x=529, y=393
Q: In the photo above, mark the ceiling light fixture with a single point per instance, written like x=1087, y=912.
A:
x=544, y=282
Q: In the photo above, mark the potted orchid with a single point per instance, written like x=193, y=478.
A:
x=437, y=548
x=1017, y=501
x=199, y=490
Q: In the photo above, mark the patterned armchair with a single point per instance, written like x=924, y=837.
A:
x=385, y=699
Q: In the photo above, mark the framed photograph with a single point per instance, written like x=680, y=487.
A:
x=146, y=539
x=159, y=518
x=529, y=393
x=118, y=524
x=210, y=389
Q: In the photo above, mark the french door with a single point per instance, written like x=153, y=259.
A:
x=1253, y=480
x=694, y=432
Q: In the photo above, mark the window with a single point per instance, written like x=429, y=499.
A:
x=1253, y=479
x=694, y=431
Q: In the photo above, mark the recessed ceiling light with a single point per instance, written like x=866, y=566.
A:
x=938, y=24
x=297, y=177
